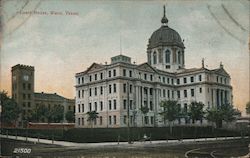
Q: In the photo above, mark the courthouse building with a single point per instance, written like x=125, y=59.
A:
x=118, y=90
x=23, y=85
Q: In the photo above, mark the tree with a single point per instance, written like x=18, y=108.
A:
x=248, y=108
x=92, y=116
x=40, y=114
x=10, y=110
x=214, y=115
x=171, y=111
x=195, y=111
x=57, y=113
x=70, y=116
x=144, y=110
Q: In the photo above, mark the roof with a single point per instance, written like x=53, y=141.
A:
x=49, y=96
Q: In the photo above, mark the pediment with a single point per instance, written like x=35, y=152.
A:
x=146, y=67
x=94, y=67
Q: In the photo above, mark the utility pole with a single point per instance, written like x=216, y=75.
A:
x=128, y=129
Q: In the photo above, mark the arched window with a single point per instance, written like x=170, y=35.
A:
x=179, y=57
x=167, y=56
x=154, y=58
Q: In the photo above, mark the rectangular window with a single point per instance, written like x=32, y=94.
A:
x=79, y=94
x=100, y=120
x=114, y=72
x=168, y=80
x=90, y=107
x=114, y=120
x=29, y=86
x=146, y=120
x=90, y=78
x=199, y=77
x=109, y=73
x=110, y=120
x=172, y=94
x=95, y=106
x=130, y=73
x=192, y=92
x=124, y=72
x=184, y=80
x=152, y=120
x=124, y=87
x=82, y=80
x=90, y=93
x=114, y=104
x=151, y=105
x=124, y=104
x=145, y=76
x=151, y=91
x=110, y=105
x=185, y=93
x=82, y=93
x=24, y=96
x=172, y=81
x=82, y=121
x=79, y=121
x=114, y=87
x=130, y=88
x=101, y=90
x=164, y=93
x=164, y=80
x=178, y=81
x=110, y=88
x=178, y=94
x=125, y=119
x=101, y=105
x=95, y=91
x=192, y=79
x=28, y=96
x=201, y=90
x=82, y=107
x=130, y=104
x=168, y=93
x=217, y=78
x=95, y=76
x=79, y=108
x=101, y=75
x=79, y=81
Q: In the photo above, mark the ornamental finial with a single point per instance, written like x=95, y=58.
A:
x=164, y=19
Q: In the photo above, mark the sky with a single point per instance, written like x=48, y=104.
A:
x=60, y=45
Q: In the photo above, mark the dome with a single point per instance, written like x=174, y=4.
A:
x=165, y=36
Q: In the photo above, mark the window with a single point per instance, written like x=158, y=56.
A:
x=110, y=104
x=172, y=81
x=130, y=73
x=192, y=92
x=199, y=77
x=184, y=80
x=164, y=93
x=82, y=93
x=130, y=88
x=178, y=94
x=95, y=76
x=110, y=120
x=90, y=93
x=114, y=72
x=172, y=94
x=79, y=81
x=151, y=105
x=82, y=121
x=110, y=89
x=185, y=93
x=146, y=119
x=100, y=120
x=101, y=75
x=28, y=96
x=130, y=104
x=217, y=78
x=124, y=88
x=82, y=80
x=221, y=80
x=82, y=107
x=90, y=107
x=90, y=78
x=151, y=77
x=24, y=96
x=164, y=81
x=179, y=57
x=225, y=81
x=109, y=73
x=95, y=106
x=79, y=94
x=168, y=80
x=79, y=108
x=125, y=119
x=168, y=93
x=151, y=91
x=124, y=104
x=192, y=79
x=168, y=66
x=152, y=120
x=79, y=121
x=101, y=105
x=154, y=58
x=124, y=72
x=114, y=104
x=167, y=56
x=101, y=90
x=29, y=86
x=178, y=81
x=95, y=91
x=200, y=90
x=114, y=119
x=145, y=76
x=114, y=86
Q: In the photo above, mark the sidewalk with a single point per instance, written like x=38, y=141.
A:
x=87, y=145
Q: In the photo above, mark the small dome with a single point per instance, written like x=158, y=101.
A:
x=165, y=36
